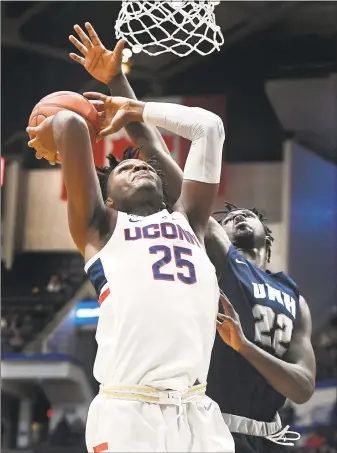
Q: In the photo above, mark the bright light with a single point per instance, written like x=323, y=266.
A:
x=87, y=313
x=2, y=170
x=137, y=48
x=127, y=53
x=125, y=59
x=125, y=68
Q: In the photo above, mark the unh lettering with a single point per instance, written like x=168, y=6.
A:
x=262, y=290
x=165, y=230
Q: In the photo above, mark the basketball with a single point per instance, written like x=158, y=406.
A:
x=66, y=100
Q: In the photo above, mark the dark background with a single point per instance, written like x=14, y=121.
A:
x=263, y=40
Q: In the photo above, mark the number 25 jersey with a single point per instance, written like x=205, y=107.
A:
x=159, y=299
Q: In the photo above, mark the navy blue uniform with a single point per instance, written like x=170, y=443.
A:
x=268, y=307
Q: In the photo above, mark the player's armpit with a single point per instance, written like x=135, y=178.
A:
x=85, y=201
x=197, y=212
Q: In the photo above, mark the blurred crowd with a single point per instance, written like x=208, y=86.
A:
x=20, y=325
x=325, y=346
x=46, y=283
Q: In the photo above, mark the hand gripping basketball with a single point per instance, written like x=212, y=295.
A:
x=42, y=140
x=119, y=112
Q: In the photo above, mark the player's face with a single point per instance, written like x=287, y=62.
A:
x=134, y=181
x=244, y=229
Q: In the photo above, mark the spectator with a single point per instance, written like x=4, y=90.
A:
x=54, y=284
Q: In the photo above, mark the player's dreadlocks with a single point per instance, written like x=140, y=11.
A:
x=269, y=238
x=103, y=173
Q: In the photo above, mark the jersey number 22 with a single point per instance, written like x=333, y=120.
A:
x=187, y=273
x=270, y=330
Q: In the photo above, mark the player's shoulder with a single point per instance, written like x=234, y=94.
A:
x=305, y=314
x=235, y=259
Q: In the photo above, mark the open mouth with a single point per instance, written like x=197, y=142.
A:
x=241, y=223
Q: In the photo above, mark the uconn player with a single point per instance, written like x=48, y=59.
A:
x=157, y=288
x=229, y=380
x=264, y=334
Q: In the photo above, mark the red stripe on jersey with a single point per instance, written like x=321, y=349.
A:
x=103, y=296
x=101, y=447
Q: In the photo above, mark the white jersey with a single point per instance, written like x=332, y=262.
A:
x=159, y=300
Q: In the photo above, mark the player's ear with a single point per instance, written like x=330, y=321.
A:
x=109, y=202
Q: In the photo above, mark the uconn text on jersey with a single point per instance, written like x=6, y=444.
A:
x=167, y=230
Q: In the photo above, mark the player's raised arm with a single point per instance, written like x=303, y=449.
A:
x=203, y=166
x=106, y=66
x=67, y=133
x=217, y=244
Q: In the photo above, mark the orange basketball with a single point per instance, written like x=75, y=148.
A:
x=66, y=100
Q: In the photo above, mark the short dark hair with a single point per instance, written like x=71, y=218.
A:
x=103, y=173
x=229, y=207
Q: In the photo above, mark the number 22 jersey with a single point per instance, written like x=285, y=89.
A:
x=158, y=297
x=268, y=306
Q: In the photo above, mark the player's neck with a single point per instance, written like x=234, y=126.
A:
x=255, y=256
x=143, y=210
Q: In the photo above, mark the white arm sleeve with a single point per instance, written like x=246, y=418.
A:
x=203, y=128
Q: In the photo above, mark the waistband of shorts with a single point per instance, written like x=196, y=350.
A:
x=243, y=425
x=151, y=395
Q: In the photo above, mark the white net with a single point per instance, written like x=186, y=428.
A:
x=180, y=27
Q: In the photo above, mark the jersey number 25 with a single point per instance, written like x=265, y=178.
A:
x=187, y=274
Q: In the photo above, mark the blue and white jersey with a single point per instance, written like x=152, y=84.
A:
x=159, y=300
x=268, y=306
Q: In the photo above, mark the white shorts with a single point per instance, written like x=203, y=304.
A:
x=119, y=425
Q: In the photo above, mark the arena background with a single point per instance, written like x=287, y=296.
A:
x=274, y=83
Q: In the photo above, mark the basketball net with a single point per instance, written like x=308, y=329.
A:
x=179, y=27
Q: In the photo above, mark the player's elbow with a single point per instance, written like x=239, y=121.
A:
x=209, y=125
x=69, y=120
x=68, y=125
x=301, y=397
x=304, y=392
x=214, y=127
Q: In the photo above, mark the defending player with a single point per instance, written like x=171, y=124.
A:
x=251, y=384
x=157, y=288
x=266, y=330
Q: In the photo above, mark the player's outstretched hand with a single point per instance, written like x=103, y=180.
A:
x=229, y=326
x=42, y=140
x=119, y=112
x=101, y=63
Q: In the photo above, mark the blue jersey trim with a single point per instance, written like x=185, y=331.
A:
x=97, y=276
